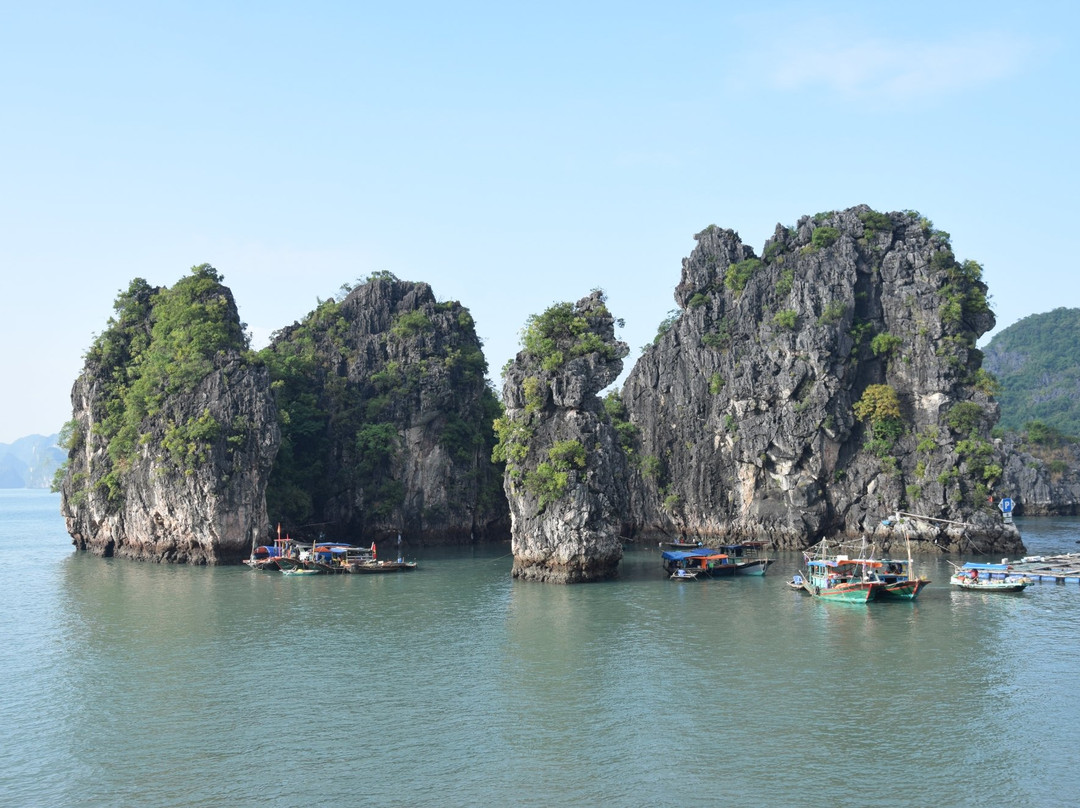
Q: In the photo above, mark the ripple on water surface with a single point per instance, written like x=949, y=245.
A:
x=140, y=684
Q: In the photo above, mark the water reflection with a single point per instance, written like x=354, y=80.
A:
x=457, y=685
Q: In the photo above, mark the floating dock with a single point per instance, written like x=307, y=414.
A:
x=1061, y=569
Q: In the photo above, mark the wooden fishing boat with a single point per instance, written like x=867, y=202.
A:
x=705, y=561
x=988, y=578
x=900, y=582
x=837, y=577
x=372, y=566
x=841, y=579
x=270, y=557
x=262, y=557
x=747, y=557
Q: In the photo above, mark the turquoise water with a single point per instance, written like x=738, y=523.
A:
x=130, y=684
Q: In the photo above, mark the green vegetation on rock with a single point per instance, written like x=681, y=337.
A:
x=562, y=333
x=737, y=275
x=880, y=407
x=160, y=343
x=347, y=397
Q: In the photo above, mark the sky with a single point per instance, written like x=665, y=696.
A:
x=511, y=155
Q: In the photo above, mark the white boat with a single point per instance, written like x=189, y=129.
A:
x=988, y=578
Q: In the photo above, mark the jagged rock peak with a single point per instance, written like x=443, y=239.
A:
x=173, y=432
x=386, y=419
x=819, y=388
x=565, y=470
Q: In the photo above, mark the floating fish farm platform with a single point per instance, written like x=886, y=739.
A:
x=1062, y=569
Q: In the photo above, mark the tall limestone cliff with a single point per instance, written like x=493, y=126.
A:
x=386, y=421
x=566, y=474
x=819, y=389
x=174, y=430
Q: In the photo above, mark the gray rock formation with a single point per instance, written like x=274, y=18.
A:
x=386, y=421
x=1042, y=481
x=174, y=430
x=819, y=389
x=565, y=471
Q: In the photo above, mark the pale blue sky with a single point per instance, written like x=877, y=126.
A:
x=511, y=155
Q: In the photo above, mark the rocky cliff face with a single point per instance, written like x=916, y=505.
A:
x=1043, y=480
x=818, y=389
x=386, y=420
x=565, y=471
x=174, y=430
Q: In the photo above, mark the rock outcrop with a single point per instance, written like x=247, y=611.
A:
x=565, y=471
x=1042, y=480
x=386, y=421
x=174, y=430
x=819, y=389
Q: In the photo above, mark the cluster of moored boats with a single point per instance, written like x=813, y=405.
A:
x=857, y=576
x=322, y=558
x=831, y=575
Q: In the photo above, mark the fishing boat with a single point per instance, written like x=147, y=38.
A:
x=367, y=562
x=842, y=579
x=901, y=582
x=835, y=576
x=747, y=557
x=270, y=557
x=373, y=566
x=703, y=561
x=988, y=578
x=263, y=557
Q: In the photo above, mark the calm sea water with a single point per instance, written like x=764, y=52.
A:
x=129, y=684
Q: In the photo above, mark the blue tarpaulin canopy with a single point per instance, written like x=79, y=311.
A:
x=681, y=555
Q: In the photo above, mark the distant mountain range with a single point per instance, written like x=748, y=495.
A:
x=1036, y=361
x=30, y=462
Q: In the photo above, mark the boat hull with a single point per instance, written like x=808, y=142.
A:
x=376, y=567
x=845, y=593
x=902, y=590
x=982, y=585
x=755, y=567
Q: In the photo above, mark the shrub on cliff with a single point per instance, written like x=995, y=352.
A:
x=562, y=333
x=880, y=407
x=160, y=343
x=739, y=274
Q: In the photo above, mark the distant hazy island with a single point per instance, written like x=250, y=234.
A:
x=30, y=462
x=809, y=391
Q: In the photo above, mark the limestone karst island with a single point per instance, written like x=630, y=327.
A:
x=814, y=390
